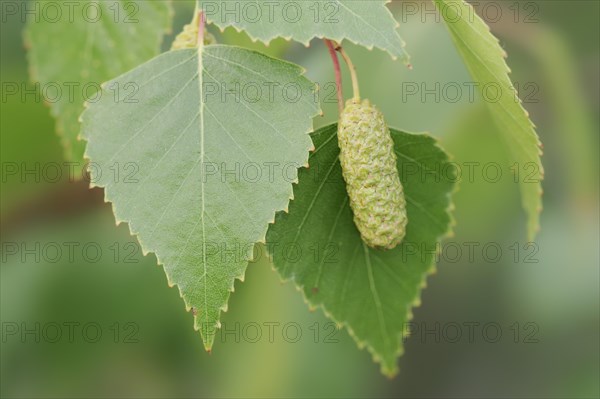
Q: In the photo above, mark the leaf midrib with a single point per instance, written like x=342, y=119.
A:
x=202, y=155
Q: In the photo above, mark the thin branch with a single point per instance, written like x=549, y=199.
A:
x=338, y=74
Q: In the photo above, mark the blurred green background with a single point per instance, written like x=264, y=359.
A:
x=548, y=310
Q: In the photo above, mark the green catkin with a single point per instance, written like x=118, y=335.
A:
x=372, y=180
x=188, y=38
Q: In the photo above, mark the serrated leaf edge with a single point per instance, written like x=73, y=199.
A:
x=388, y=372
x=531, y=232
x=301, y=71
x=405, y=57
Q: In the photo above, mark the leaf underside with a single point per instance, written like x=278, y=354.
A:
x=317, y=245
x=89, y=43
x=368, y=23
x=485, y=60
x=202, y=171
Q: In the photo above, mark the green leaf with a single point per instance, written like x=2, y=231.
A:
x=76, y=46
x=364, y=22
x=485, y=60
x=317, y=245
x=202, y=172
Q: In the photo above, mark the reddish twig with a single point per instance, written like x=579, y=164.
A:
x=338, y=73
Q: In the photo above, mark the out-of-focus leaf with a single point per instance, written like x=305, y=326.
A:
x=75, y=46
x=485, y=60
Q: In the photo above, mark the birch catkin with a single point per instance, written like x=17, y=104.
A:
x=188, y=38
x=372, y=180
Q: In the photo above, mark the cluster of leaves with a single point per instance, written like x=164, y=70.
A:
x=215, y=174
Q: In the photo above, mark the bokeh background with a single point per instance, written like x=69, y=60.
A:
x=545, y=299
